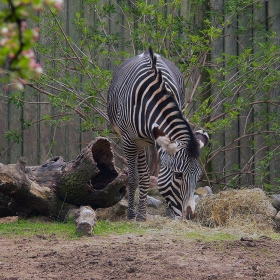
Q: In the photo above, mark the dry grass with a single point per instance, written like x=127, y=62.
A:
x=235, y=213
x=245, y=210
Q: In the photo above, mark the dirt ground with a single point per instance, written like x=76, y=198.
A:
x=135, y=256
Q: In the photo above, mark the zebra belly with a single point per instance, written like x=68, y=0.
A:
x=143, y=143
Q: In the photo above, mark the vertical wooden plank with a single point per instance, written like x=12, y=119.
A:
x=125, y=31
x=30, y=114
x=218, y=162
x=10, y=120
x=91, y=17
x=3, y=116
x=4, y=125
x=14, y=124
x=72, y=137
x=260, y=151
x=273, y=11
x=45, y=132
x=30, y=135
x=64, y=136
x=58, y=131
x=245, y=117
x=232, y=150
x=196, y=22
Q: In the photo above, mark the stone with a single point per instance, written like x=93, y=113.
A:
x=275, y=200
x=113, y=213
x=153, y=202
x=277, y=221
x=196, y=198
x=209, y=190
x=268, y=209
x=203, y=191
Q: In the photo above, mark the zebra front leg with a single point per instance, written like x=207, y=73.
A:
x=144, y=177
x=131, y=155
x=131, y=213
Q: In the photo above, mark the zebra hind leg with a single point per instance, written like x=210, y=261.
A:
x=131, y=154
x=144, y=177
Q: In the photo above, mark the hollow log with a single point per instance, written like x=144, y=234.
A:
x=52, y=188
x=4, y=206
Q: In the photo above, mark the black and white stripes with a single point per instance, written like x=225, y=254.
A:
x=144, y=106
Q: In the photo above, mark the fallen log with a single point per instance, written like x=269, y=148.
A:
x=52, y=188
x=4, y=206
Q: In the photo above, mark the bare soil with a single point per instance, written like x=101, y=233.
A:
x=134, y=256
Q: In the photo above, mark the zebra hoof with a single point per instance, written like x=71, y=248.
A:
x=141, y=218
x=131, y=216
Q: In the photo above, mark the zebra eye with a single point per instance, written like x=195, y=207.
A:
x=178, y=175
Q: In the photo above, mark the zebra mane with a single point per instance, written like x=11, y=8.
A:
x=192, y=144
x=153, y=58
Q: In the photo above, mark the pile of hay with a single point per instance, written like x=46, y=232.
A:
x=248, y=209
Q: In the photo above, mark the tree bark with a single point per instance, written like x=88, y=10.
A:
x=51, y=189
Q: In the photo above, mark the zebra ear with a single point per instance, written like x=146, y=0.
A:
x=202, y=137
x=171, y=147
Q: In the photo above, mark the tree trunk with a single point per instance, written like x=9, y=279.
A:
x=52, y=188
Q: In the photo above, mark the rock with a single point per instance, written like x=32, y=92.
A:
x=209, y=190
x=268, y=209
x=120, y=208
x=202, y=192
x=277, y=221
x=73, y=213
x=196, y=198
x=153, y=202
x=113, y=213
x=275, y=200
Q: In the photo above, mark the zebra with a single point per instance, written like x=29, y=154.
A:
x=144, y=104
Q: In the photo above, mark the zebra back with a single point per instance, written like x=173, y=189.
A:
x=147, y=91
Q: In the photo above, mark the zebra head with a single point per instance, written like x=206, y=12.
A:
x=180, y=171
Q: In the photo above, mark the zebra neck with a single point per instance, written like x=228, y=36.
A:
x=175, y=127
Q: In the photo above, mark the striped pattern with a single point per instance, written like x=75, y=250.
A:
x=144, y=106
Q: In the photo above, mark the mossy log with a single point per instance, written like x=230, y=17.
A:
x=91, y=179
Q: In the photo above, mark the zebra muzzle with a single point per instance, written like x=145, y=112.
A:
x=189, y=215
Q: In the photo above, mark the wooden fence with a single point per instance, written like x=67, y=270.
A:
x=42, y=141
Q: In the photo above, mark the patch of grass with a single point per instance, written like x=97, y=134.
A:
x=28, y=228
x=162, y=226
